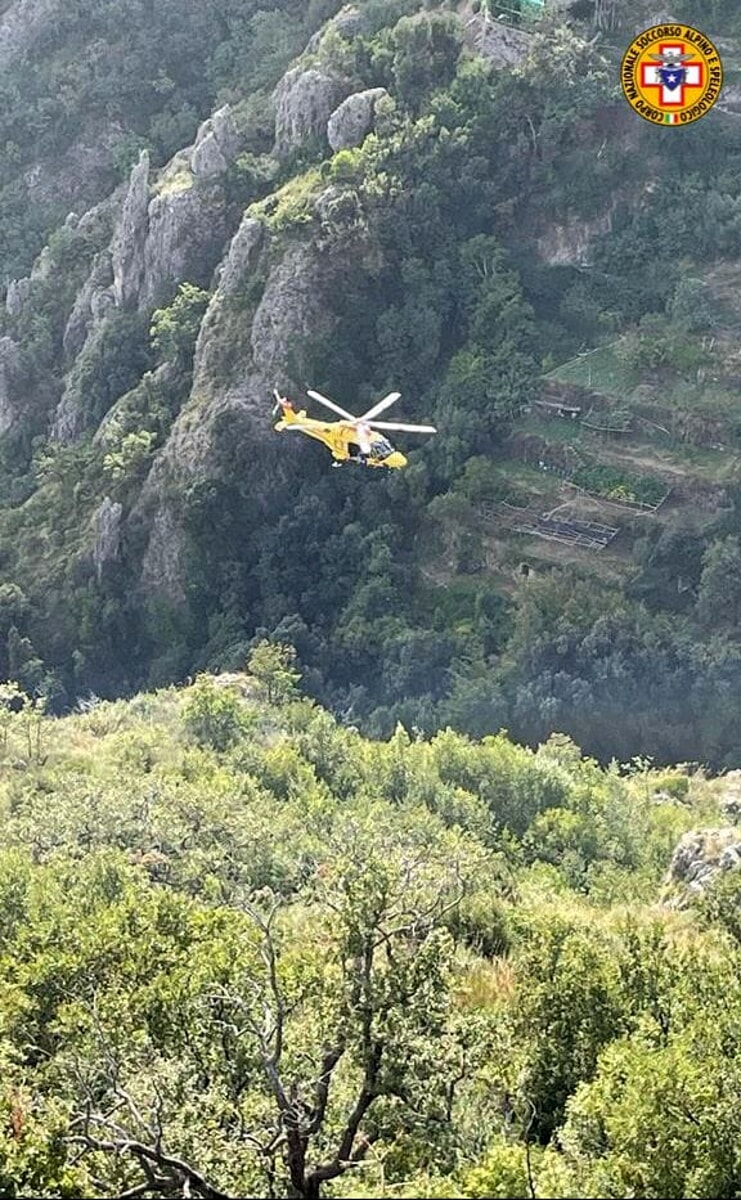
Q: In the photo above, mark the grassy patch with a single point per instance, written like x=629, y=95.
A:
x=601, y=370
x=177, y=178
x=291, y=205
x=713, y=465
x=557, y=429
x=529, y=480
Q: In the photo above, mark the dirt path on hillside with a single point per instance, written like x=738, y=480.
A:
x=654, y=463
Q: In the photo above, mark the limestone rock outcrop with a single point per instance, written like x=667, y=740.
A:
x=232, y=274
x=95, y=298
x=700, y=857
x=128, y=244
x=9, y=368
x=353, y=120
x=217, y=143
x=106, y=534
x=165, y=237
x=499, y=43
x=304, y=101
x=292, y=307
x=185, y=229
x=569, y=243
x=16, y=295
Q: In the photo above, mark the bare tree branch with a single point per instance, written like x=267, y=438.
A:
x=146, y=1155
x=140, y=1190
x=322, y=1084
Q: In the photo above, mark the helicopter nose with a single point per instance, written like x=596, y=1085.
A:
x=396, y=460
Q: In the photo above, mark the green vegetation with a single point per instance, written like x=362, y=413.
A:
x=126, y=75
x=602, y=480
x=602, y=369
x=246, y=951
x=446, y=258
x=348, y=917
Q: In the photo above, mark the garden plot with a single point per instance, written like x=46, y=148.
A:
x=588, y=535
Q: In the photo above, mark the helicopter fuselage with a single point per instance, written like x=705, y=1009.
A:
x=343, y=440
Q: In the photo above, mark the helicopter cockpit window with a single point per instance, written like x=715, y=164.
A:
x=381, y=449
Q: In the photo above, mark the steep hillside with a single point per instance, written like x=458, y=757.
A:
x=383, y=195
x=245, y=951
x=86, y=85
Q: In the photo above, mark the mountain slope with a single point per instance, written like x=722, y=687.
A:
x=427, y=202
x=446, y=963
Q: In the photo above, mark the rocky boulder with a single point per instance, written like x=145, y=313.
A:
x=184, y=229
x=208, y=158
x=17, y=295
x=130, y=238
x=497, y=42
x=233, y=273
x=353, y=120
x=238, y=681
x=304, y=101
x=569, y=244
x=93, y=300
x=291, y=310
x=730, y=796
x=106, y=525
x=241, y=256
x=163, y=568
x=42, y=267
x=217, y=142
x=9, y=369
x=348, y=23
x=700, y=857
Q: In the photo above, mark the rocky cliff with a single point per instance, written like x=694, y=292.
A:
x=330, y=226
x=173, y=225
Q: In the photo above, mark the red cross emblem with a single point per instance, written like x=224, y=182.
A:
x=672, y=97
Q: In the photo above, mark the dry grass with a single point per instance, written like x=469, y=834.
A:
x=486, y=984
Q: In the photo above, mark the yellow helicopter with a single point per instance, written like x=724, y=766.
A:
x=353, y=439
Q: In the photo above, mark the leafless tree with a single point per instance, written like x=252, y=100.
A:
x=124, y=1132
x=297, y=1154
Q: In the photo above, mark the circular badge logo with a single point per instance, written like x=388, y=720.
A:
x=672, y=75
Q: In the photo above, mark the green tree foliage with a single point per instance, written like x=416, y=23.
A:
x=251, y=952
x=213, y=715
x=434, y=285
x=273, y=666
x=131, y=457
x=426, y=50
x=655, y=1121
x=174, y=329
x=718, y=596
x=571, y=1008
x=244, y=949
x=691, y=306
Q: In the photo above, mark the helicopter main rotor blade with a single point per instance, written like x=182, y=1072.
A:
x=379, y=408
x=406, y=428
x=331, y=404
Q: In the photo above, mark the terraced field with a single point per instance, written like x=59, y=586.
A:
x=611, y=451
